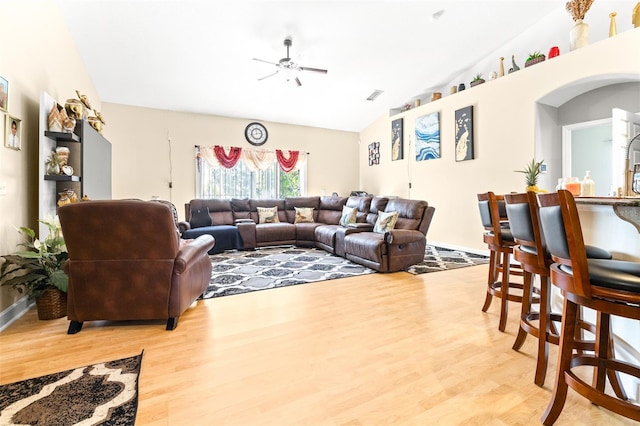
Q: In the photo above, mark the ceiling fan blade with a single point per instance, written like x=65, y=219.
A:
x=313, y=69
x=262, y=60
x=267, y=76
x=298, y=82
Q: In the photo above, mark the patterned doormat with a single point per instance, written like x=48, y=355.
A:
x=236, y=272
x=105, y=393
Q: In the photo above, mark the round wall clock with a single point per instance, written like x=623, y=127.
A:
x=256, y=134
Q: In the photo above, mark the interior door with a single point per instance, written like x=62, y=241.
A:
x=625, y=126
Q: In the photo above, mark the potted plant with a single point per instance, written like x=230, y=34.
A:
x=477, y=79
x=531, y=175
x=37, y=271
x=534, y=58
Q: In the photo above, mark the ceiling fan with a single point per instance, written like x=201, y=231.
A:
x=288, y=66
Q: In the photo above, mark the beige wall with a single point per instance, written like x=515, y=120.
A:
x=141, y=157
x=509, y=122
x=36, y=54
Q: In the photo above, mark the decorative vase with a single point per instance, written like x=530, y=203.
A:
x=52, y=304
x=461, y=87
x=534, y=61
x=501, y=74
x=579, y=35
x=613, y=30
x=553, y=52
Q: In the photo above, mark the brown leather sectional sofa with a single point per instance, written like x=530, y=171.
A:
x=235, y=225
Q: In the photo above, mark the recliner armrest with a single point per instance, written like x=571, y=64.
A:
x=192, y=251
x=183, y=226
x=403, y=236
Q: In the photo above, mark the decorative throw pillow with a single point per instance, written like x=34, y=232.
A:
x=303, y=215
x=268, y=215
x=348, y=216
x=200, y=218
x=386, y=222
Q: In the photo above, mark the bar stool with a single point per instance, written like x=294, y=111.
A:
x=609, y=287
x=530, y=251
x=500, y=241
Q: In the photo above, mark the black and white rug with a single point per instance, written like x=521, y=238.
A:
x=236, y=272
x=99, y=394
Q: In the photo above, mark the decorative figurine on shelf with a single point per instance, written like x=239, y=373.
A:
x=501, y=74
x=613, y=30
x=514, y=66
x=54, y=119
x=493, y=75
x=68, y=123
x=75, y=109
x=84, y=100
x=635, y=16
x=553, y=52
x=579, y=34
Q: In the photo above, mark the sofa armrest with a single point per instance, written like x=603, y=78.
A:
x=183, y=226
x=247, y=230
x=360, y=227
x=191, y=251
x=402, y=236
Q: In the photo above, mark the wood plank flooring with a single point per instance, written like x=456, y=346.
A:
x=380, y=349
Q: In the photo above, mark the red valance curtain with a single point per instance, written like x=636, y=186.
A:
x=287, y=164
x=227, y=161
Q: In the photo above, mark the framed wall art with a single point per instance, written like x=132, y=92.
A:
x=374, y=153
x=4, y=94
x=397, y=148
x=464, y=133
x=13, y=128
x=428, y=137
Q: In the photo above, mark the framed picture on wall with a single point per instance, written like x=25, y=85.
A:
x=428, y=137
x=13, y=128
x=374, y=153
x=4, y=94
x=397, y=149
x=464, y=133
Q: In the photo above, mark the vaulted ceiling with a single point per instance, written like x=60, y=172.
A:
x=197, y=55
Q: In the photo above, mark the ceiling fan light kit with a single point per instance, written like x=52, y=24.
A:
x=288, y=66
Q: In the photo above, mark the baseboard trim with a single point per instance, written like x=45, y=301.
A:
x=15, y=311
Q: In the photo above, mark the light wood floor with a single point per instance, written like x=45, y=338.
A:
x=371, y=350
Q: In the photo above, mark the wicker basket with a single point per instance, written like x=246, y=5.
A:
x=52, y=304
x=534, y=61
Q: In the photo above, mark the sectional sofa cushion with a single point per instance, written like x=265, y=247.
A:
x=200, y=217
x=303, y=215
x=348, y=216
x=267, y=214
x=386, y=222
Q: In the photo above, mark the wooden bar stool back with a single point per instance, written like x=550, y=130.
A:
x=522, y=211
x=609, y=287
x=500, y=241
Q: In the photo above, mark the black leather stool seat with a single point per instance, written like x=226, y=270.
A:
x=614, y=274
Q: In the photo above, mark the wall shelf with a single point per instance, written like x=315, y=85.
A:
x=62, y=178
x=62, y=136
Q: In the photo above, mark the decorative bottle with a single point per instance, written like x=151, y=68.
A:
x=587, y=186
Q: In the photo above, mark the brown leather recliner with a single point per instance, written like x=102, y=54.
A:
x=126, y=262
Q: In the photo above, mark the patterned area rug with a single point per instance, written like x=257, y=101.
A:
x=236, y=272
x=105, y=393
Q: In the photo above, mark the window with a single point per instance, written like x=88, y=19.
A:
x=242, y=182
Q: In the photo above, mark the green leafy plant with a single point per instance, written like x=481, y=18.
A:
x=40, y=266
x=535, y=55
x=532, y=173
x=477, y=77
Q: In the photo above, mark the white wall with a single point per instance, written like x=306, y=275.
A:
x=513, y=116
x=142, y=159
x=37, y=54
